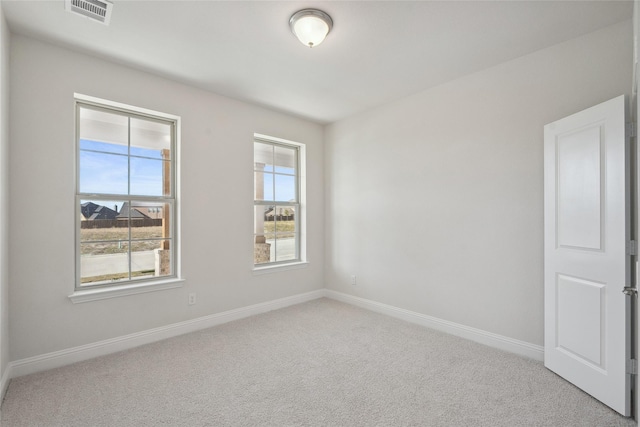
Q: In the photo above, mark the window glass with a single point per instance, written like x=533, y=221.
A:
x=264, y=186
x=276, y=203
x=285, y=160
x=104, y=126
x=103, y=173
x=125, y=197
x=147, y=177
x=150, y=139
x=285, y=188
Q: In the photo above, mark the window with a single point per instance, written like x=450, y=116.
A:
x=125, y=195
x=278, y=201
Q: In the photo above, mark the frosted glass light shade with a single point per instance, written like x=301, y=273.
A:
x=311, y=26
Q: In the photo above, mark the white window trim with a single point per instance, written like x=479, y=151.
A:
x=135, y=287
x=274, y=268
x=123, y=290
x=302, y=190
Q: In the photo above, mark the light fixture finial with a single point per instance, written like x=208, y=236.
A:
x=311, y=26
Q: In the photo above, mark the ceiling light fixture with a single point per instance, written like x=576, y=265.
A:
x=310, y=26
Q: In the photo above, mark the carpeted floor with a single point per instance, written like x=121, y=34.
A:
x=321, y=363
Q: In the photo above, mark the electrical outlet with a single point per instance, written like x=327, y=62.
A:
x=353, y=279
x=192, y=298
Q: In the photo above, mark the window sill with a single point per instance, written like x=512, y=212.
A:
x=120, y=291
x=280, y=267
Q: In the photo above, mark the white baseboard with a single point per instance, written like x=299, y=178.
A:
x=4, y=381
x=89, y=351
x=85, y=352
x=511, y=345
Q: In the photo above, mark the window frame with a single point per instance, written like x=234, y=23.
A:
x=300, y=205
x=88, y=292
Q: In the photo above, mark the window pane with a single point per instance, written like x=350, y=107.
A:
x=147, y=177
x=123, y=154
x=104, y=262
x=285, y=160
x=261, y=218
x=150, y=139
x=103, y=173
x=99, y=220
x=102, y=126
x=164, y=257
x=286, y=247
x=263, y=230
x=263, y=155
x=263, y=186
x=147, y=220
x=148, y=259
x=285, y=223
x=276, y=182
x=285, y=188
x=285, y=216
x=285, y=233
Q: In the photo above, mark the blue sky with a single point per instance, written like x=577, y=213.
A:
x=104, y=169
x=284, y=186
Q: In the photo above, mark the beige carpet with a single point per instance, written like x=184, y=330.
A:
x=321, y=363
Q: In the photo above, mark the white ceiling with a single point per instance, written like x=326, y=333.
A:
x=378, y=51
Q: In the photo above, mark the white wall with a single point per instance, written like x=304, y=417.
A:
x=217, y=191
x=636, y=105
x=4, y=195
x=435, y=201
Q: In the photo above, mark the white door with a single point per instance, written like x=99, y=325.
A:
x=586, y=216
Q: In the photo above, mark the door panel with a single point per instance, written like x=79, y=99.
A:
x=586, y=265
x=579, y=175
x=579, y=326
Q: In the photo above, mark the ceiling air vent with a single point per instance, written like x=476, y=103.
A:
x=98, y=10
